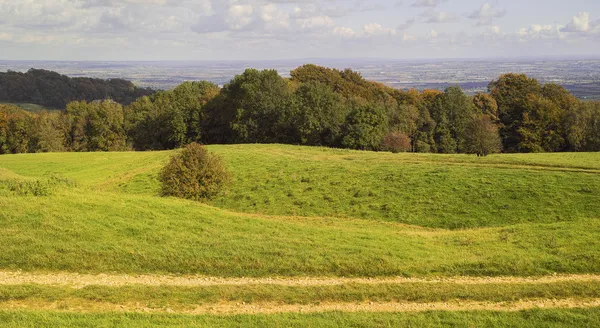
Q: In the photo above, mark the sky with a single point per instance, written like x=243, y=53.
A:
x=292, y=29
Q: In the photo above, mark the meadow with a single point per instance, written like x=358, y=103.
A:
x=304, y=213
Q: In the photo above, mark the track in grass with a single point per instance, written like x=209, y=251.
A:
x=82, y=280
x=228, y=308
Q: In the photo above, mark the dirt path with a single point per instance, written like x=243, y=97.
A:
x=81, y=280
x=226, y=308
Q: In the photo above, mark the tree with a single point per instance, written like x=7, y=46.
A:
x=255, y=107
x=486, y=104
x=96, y=126
x=541, y=128
x=583, y=127
x=365, y=126
x=512, y=93
x=16, y=130
x=170, y=119
x=396, y=142
x=53, y=90
x=482, y=137
x=320, y=114
x=50, y=132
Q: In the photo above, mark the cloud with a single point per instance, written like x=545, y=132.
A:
x=344, y=32
x=432, y=16
x=579, y=23
x=428, y=3
x=5, y=36
x=407, y=24
x=375, y=29
x=537, y=31
x=240, y=28
x=486, y=14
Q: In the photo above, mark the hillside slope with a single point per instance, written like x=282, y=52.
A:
x=303, y=236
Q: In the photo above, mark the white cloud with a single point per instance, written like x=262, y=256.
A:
x=344, y=32
x=5, y=36
x=486, y=14
x=432, y=16
x=579, y=23
x=374, y=29
x=537, y=31
x=427, y=3
x=238, y=27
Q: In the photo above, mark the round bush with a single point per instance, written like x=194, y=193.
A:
x=194, y=174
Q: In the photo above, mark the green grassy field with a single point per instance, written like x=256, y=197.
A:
x=533, y=318
x=305, y=212
x=29, y=107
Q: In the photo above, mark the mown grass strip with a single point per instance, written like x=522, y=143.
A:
x=186, y=297
x=552, y=318
x=78, y=280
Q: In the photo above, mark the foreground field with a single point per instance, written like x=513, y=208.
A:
x=532, y=318
x=305, y=214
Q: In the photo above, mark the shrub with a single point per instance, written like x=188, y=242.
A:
x=194, y=174
x=396, y=142
x=422, y=147
x=37, y=188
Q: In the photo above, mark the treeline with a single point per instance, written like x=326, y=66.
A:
x=318, y=106
x=50, y=89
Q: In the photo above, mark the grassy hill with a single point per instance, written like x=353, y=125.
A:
x=29, y=107
x=304, y=212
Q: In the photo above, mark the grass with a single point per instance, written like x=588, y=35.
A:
x=440, y=191
x=536, y=220
x=34, y=108
x=184, y=298
x=300, y=211
x=553, y=318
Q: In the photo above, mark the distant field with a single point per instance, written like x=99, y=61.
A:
x=305, y=212
x=28, y=107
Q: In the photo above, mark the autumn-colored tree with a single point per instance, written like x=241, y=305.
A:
x=486, y=104
x=396, y=142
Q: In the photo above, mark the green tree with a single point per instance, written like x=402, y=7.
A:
x=482, y=137
x=320, y=114
x=541, y=126
x=96, y=126
x=255, y=107
x=170, y=119
x=513, y=93
x=583, y=127
x=50, y=132
x=365, y=126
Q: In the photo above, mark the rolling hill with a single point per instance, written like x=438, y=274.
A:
x=325, y=236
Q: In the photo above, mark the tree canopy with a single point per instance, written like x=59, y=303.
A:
x=316, y=106
x=50, y=89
